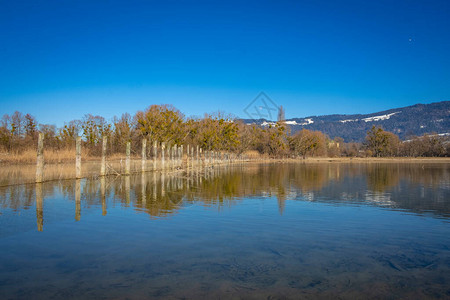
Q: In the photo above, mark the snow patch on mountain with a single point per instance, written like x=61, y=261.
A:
x=378, y=118
x=345, y=121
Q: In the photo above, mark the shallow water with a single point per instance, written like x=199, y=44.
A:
x=251, y=231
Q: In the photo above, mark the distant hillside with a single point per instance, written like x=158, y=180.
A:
x=405, y=121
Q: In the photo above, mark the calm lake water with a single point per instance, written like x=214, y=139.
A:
x=271, y=231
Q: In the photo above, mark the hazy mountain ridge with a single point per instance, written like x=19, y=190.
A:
x=406, y=121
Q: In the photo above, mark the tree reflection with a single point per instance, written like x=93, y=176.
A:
x=382, y=177
x=164, y=194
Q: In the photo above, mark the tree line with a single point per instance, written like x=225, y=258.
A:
x=217, y=132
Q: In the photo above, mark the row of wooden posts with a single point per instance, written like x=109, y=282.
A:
x=174, y=153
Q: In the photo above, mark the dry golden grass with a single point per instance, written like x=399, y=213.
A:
x=51, y=156
x=253, y=154
x=29, y=156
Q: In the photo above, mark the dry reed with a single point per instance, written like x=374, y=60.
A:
x=54, y=156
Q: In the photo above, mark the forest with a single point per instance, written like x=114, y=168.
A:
x=217, y=132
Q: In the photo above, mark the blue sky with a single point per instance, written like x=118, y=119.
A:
x=62, y=59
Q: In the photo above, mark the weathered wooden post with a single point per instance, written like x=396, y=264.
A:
x=144, y=155
x=155, y=154
x=78, y=157
x=169, y=156
x=188, y=158
x=39, y=207
x=127, y=160
x=174, y=155
x=197, y=155
x=77, y=199
x=163, y=147
x=180, y=156
x=103, y=165
x=40, y=159
x=192, y=156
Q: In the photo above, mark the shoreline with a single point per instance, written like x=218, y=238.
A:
x=368, y=160
x=269, y=160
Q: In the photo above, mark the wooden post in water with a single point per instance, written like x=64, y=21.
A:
x=174, y=155
x=144, y=154
x=188, y=151
x=163, y=147
x=40, y=159
x=155, y=154
x=180, y=156
x=192, y=156
x=176, y=151
x=169, y=156
x=198, y=156
x=103, y=165
x=127, y=159
x=78, y=157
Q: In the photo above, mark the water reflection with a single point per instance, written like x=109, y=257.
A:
x=39, y=207
x=77, y=199
x=413, y=187
x=248, y=231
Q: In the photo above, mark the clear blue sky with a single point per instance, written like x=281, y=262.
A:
x=62, y=59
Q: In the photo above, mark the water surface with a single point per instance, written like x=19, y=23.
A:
x=253, y=231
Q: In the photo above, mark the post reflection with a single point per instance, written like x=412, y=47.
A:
x=154, y=187
x=39, y=207
x=127, y=190
x=103, y=194
x=77, y=200
x=144, y=189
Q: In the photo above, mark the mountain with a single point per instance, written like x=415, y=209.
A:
x=404, y=121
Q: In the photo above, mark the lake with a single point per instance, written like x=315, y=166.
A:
x=251, y=231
